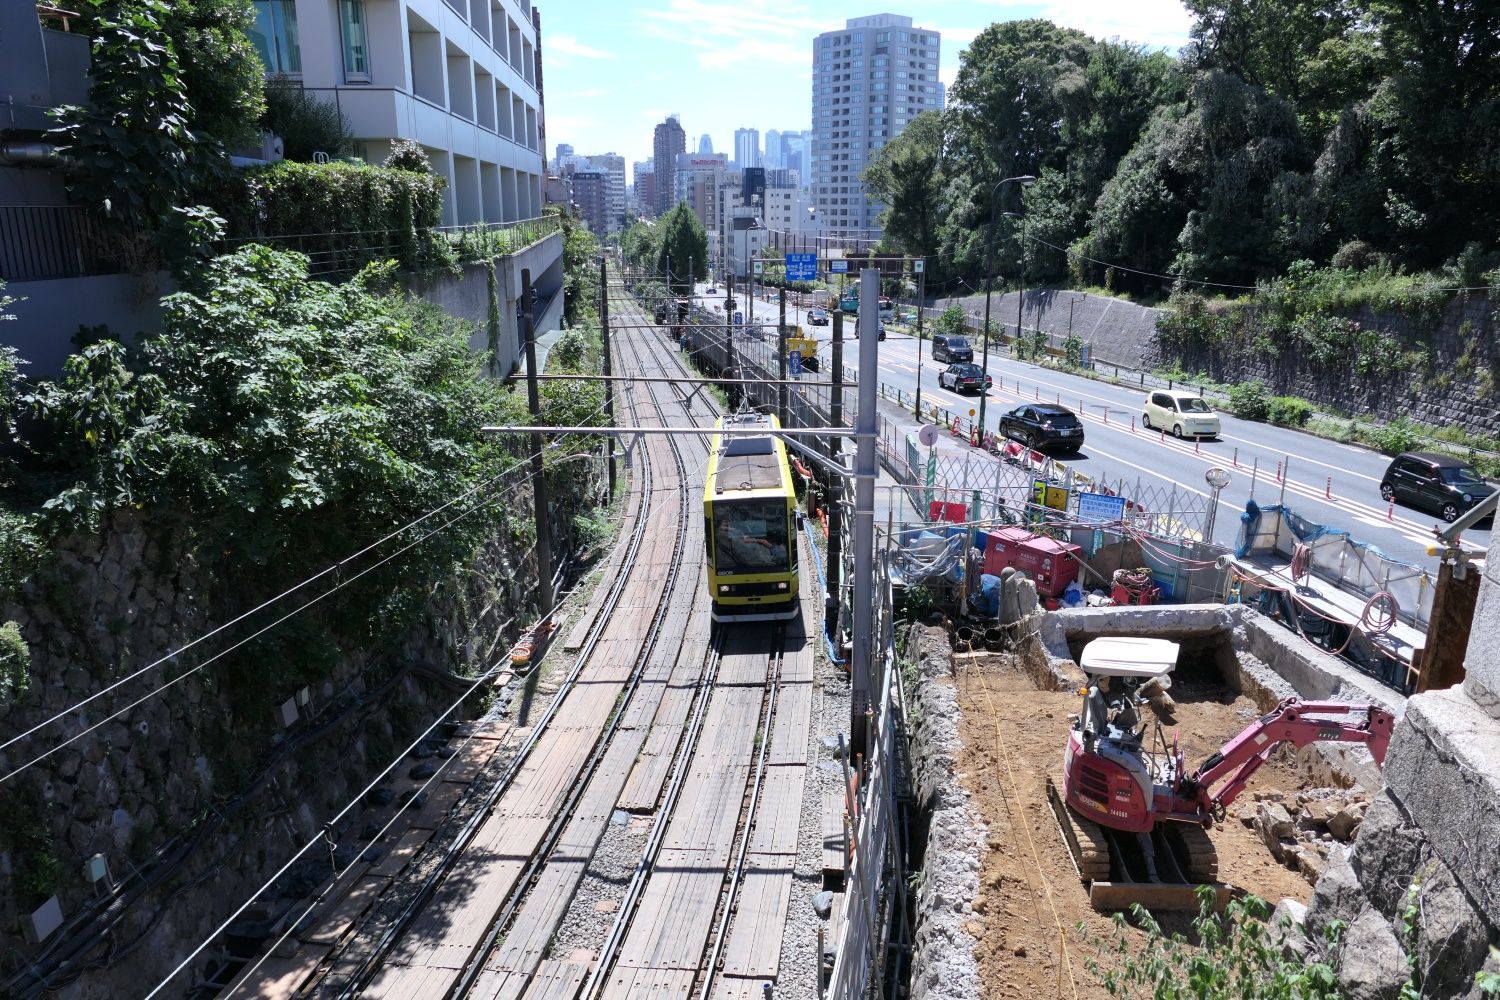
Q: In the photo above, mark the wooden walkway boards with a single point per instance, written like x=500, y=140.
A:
x=445, y=936
x=752, y=952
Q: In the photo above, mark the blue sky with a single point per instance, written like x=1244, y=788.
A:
x=614, y=68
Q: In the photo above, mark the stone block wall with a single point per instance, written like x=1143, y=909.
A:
x=1423, y=879
x=201, y=789
x=1459, y=390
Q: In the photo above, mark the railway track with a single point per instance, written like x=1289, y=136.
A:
x=658, y=716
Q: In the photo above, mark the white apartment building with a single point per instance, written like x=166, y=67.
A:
x=461, y=77
x=868, y=81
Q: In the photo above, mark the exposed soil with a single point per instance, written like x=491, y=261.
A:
x=1030, y=896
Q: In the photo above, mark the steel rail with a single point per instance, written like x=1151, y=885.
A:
x=375, y=959
x=537, y=862
x=736, y=878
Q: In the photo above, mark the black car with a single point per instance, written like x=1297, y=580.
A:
x=1441, y=483
x=817, y=317
x=1038, y=425
x=964, y=377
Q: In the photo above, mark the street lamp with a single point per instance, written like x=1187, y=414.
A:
x=1025, y=180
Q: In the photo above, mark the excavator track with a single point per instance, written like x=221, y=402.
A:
x=1085, y=838
x=1113, y=875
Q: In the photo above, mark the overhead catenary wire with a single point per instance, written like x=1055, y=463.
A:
x=340, y=583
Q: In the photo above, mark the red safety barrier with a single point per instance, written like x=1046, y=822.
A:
x=973, y=435
x=1390, y=511
x=1012, y=449
x=954, y=428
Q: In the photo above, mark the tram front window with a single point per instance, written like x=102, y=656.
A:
x=750, y=536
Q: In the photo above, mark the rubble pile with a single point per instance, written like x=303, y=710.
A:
x=1307, y=830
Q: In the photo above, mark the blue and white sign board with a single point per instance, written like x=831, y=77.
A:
x=739, y=318
x=838, y=266
x=801, y=267
x=1100, y=508
x=794, y=364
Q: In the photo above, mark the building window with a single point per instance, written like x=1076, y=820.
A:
x=275, y=36
x=356, y=45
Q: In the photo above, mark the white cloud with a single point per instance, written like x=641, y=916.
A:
x=570, y=45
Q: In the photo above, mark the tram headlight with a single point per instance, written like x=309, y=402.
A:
x=781, y=585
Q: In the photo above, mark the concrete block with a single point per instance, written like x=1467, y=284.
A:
x=1441, y=769
x=1482, y=665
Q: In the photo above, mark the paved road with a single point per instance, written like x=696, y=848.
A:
x=1329, y=482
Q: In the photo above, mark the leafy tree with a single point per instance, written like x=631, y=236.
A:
x=221, y=73
x=580, y=271
x=134, y=157
x=908, y=175
x=684, y=244
x=1318, y=55
x=1203, y=192
x=306, y=123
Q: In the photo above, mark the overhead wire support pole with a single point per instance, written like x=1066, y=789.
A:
x=609, y=371
x=781, y=413
x=538, y=483
x=866, y=426
x=921, y=265
x=832, y=602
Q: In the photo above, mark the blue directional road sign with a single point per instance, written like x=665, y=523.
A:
x=801, y=267
x=794, y=364
x=838, y=267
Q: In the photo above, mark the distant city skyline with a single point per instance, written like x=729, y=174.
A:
x=615, y=70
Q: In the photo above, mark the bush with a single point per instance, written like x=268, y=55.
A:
x=950, y=322
x=306, y=124
x=15, y=663
x=1250, y=400
x=342, y=215
x=1397, y=436
x=1236, y=955
x=1289, y=411
x=1357, y=255
x=408, y=155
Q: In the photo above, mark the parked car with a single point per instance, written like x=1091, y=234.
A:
x=1182, y=413
x=880, y=331
x=711, y=290
x=887, y=308
x=817, y=317
x=966, y=376
x=949, y=348
x=1449, y=486
x=1038, y=425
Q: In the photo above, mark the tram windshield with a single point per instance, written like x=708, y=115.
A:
x=750, y=536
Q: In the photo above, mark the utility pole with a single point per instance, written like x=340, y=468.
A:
x=781, y=413
x=538, y=481
x=865, y=425
x=920, y=265
x=832, y=600
x=609, y=370
x=729, y=307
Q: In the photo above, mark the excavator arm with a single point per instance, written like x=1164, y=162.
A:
x=1293, y=721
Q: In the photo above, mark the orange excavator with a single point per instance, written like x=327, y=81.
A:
x=1135, y=817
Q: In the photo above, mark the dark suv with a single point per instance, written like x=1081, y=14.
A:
x=1439, y=483
x=951, y=348
x=1038, y=425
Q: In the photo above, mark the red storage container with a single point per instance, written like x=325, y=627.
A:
x=1050, y=563
x=1000, y=550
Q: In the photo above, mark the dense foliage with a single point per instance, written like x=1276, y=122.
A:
x=342, y=215
x=135, y=158
x=306, y=123
x=1283, y=132
x=1233, y=955
x=580, y=271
